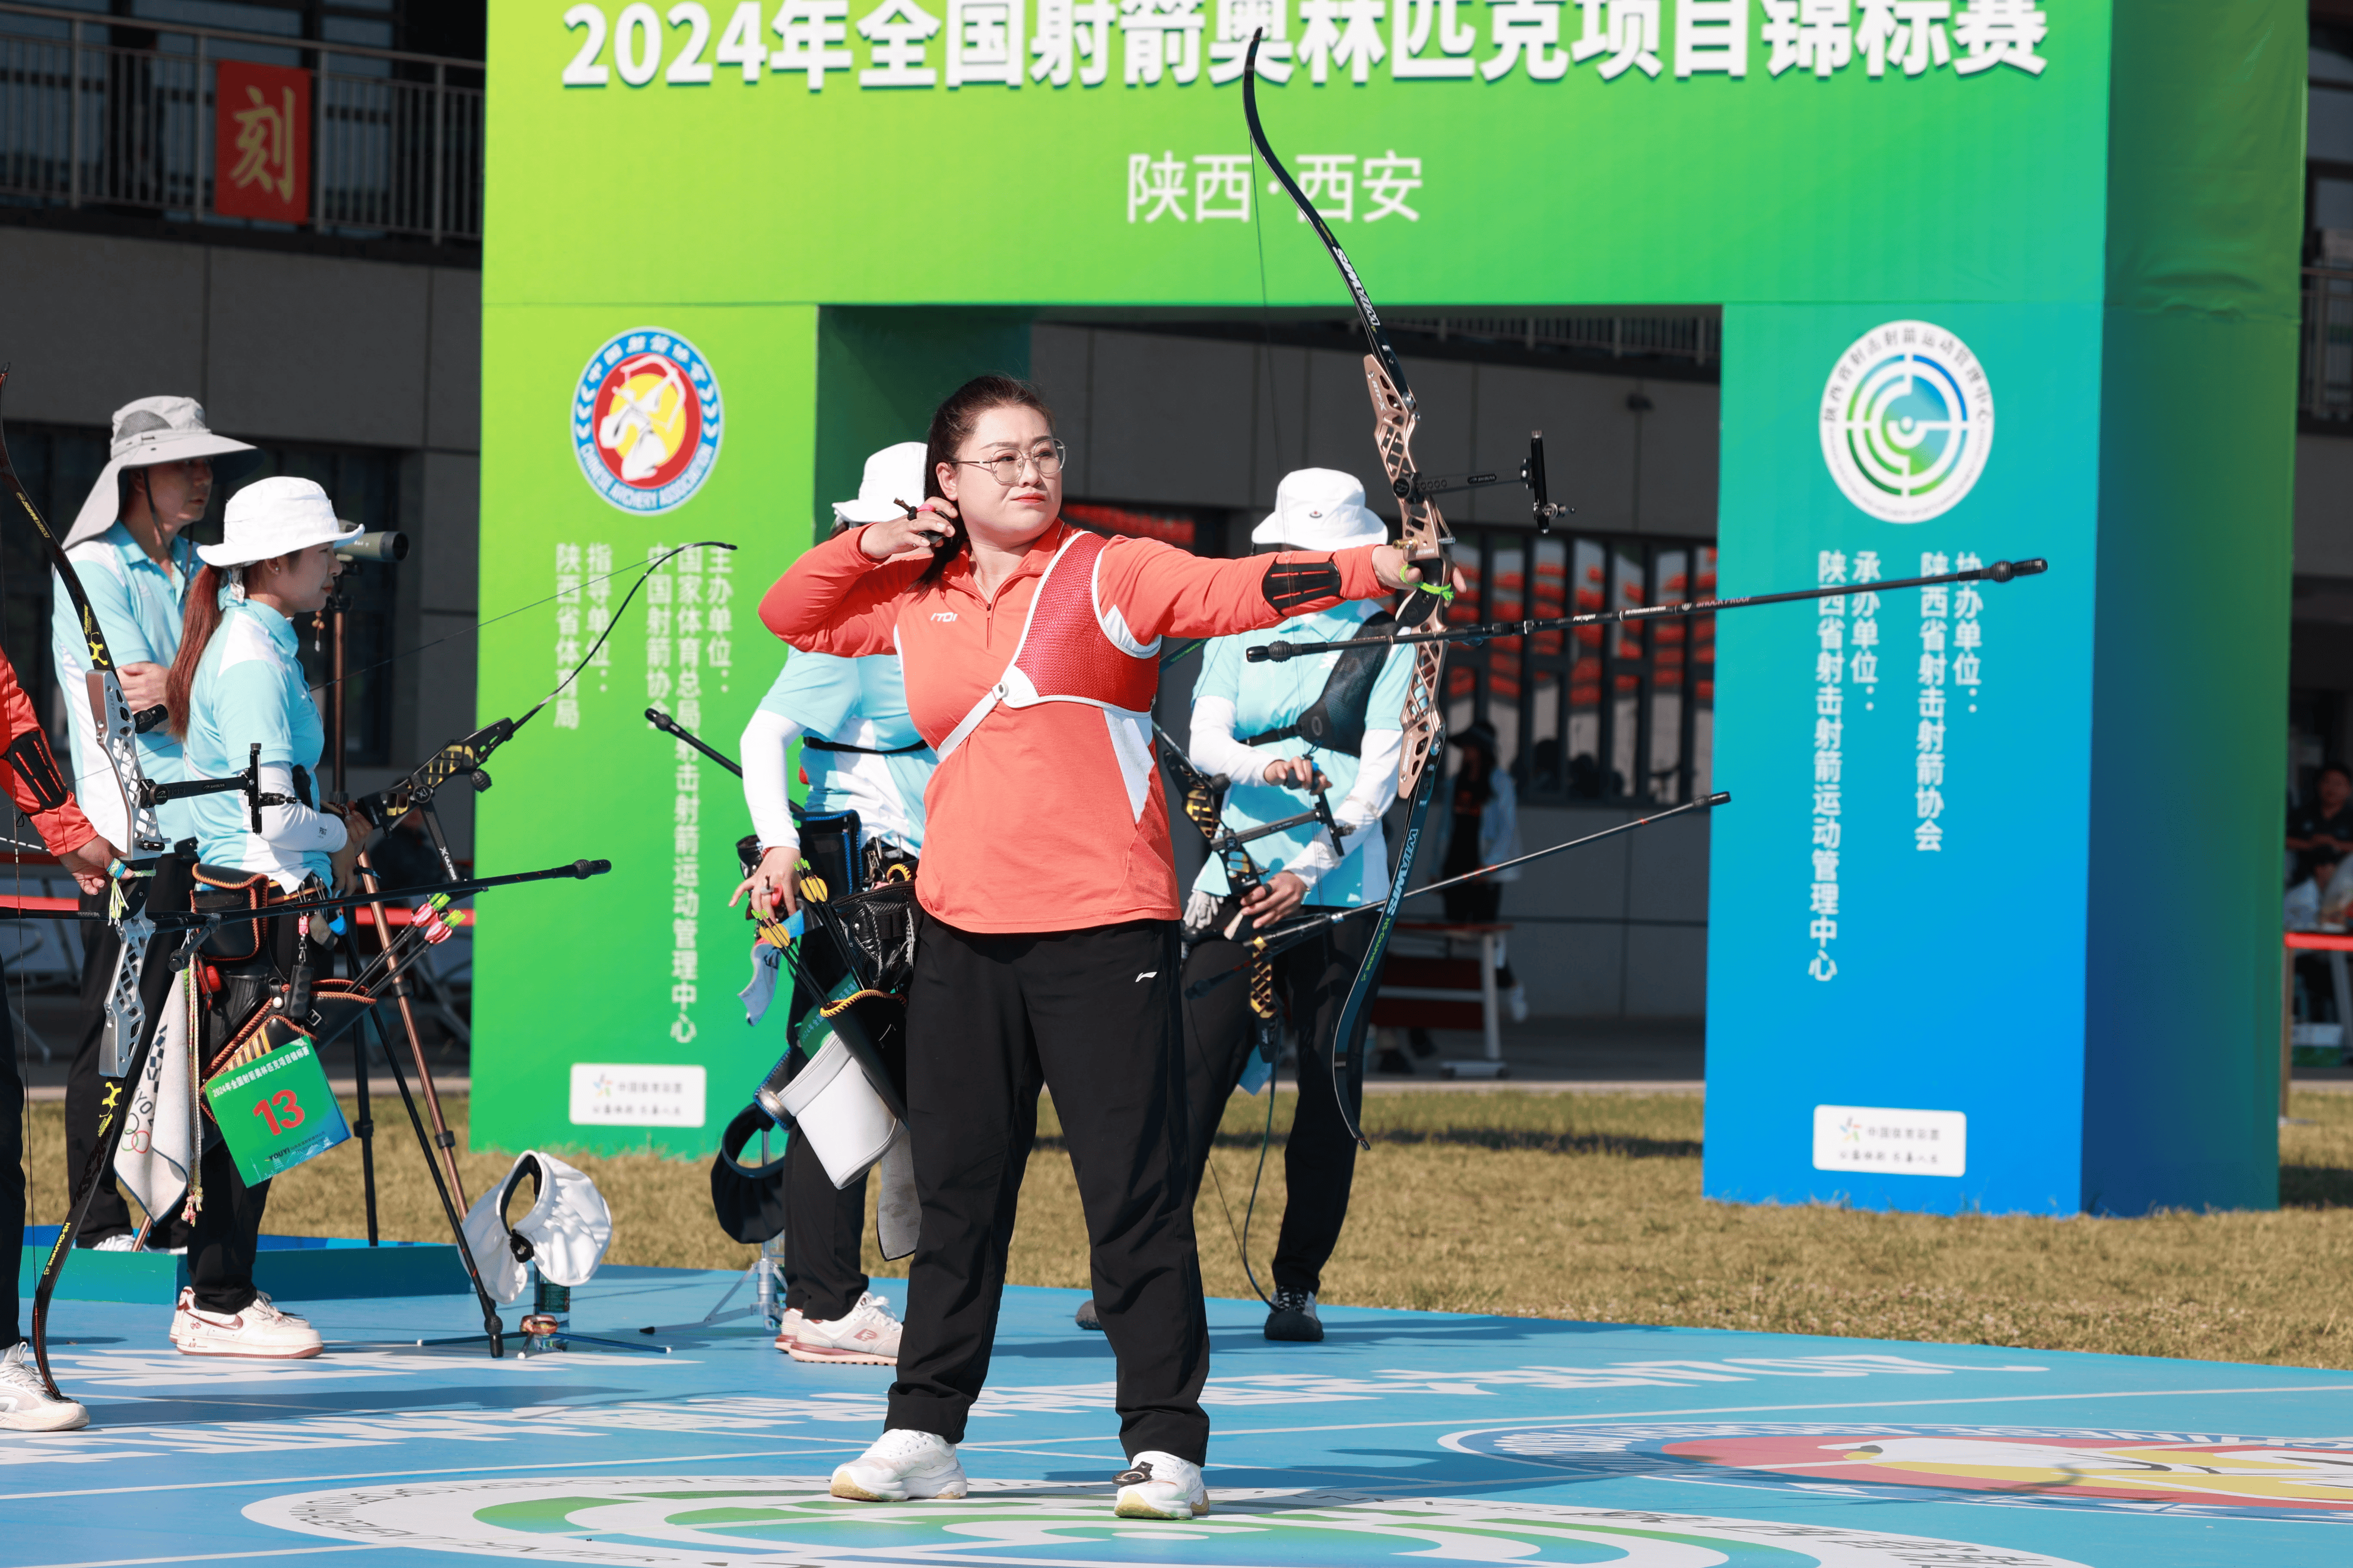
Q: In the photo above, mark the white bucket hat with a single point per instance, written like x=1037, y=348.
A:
x=1320, y=509
x=892, y=475
x=151, y=431
x=275, y=516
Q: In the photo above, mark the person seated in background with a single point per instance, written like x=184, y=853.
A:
x=2326, y=821
x=2310, y=896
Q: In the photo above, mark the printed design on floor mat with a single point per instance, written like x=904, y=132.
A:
x=721, y=1521
x=2198, y=1473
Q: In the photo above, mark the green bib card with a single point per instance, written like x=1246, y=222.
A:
x=276, y=1112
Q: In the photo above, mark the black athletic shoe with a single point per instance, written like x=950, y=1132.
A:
x=1392, y=1059
x=1085, y=1316
x=1291, y=1316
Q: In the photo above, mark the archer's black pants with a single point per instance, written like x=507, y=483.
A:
x=227, y=1234
x=12, y=1167
x=1319, y=1161
x=824, y=1225
x=1091, y=1014
x=108, y=1215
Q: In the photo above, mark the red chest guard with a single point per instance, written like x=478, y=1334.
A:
x=1075, y=649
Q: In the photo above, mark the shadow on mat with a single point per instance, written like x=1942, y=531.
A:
x=248, y=1405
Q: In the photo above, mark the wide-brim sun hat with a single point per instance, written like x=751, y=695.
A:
x=150, y=431
x=276, y=516
x=892, y=475
x=1320, y=509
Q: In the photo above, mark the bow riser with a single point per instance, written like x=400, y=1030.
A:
x=1425, y=536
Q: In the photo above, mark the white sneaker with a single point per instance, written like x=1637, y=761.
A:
x=903, y=1463
x=789, y=1329
x=124, y=1243
x=1515, y=1003
x=866, y=1335
x=261, y=1331
x=1162, y=1486
x=25, y=1402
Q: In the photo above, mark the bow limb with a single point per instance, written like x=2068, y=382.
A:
x=1423, y=532
x=127, y=1034
x=118, y=732
x=1427, y=542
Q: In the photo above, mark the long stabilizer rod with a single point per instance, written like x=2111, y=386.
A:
x=1998, y=572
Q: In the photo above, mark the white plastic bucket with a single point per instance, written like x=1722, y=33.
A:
x=835, y=1107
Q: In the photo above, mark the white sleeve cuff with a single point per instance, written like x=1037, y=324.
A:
x=297, y=827
x=767, y=790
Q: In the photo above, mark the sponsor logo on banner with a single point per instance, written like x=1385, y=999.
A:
x=2196, y=1473
x=626, y=1094
x=772, y=1521
x=646, y=420
x=1907, y=421
x=1898, y=1142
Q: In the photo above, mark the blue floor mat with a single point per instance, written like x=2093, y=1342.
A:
x=1404, y=1437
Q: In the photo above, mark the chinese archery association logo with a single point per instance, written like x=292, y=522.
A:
x=1907, y=421
x=646, y=420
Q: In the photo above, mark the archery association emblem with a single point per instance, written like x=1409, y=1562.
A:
x=646, y=420
x=1907, y=421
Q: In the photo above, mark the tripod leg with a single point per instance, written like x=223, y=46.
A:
x=490, y=1324
x=442, y=1137
x=366, y=1128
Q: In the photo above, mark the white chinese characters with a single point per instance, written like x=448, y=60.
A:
x=1345, y=187
x=1166, y=45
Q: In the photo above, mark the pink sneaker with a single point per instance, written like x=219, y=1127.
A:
x=866, y=1335
x=260, y=1331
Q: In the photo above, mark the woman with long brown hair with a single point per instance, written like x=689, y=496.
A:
x=1049, y=946
x=235, y=682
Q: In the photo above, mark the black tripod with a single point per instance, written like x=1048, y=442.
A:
x=439, y=1147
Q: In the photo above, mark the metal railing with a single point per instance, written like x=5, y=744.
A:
x=396, y=138
x=2325, y=381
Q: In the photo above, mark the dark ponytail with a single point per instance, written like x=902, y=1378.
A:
x=198, y=621
x=951, y=427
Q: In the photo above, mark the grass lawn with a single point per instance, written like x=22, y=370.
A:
x=1581, y=1206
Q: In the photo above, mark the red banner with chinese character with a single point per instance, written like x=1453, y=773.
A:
x=261, y=141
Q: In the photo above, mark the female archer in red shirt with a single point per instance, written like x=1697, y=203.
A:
x=1049, y=950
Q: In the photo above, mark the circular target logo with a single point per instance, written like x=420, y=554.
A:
x=1907, y=421
x=789, y=1522
x=646, y=420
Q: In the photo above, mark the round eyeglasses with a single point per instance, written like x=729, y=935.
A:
x=1005, y=468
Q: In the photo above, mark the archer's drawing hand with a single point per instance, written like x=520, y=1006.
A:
x=1296, y=773
x=1396, y=572
x=1273, y=899
x=771, y=883
x=87, y=865
x=143, y=685
x=356, y=830
x=916, y=537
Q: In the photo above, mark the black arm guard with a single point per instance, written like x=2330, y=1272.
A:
x=37, y=766
x=1291, y=584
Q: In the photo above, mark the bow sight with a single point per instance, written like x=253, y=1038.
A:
x=1413, y=486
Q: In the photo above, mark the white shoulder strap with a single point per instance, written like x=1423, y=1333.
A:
x=1006, y=683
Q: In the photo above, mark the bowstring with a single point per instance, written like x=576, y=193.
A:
x=590, y=657
x=518, y=609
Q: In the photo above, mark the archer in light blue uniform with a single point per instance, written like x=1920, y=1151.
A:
x=1235, y=704
x=1257, y=698
x=860, y=703
x=138, y=600
x=249, y=686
